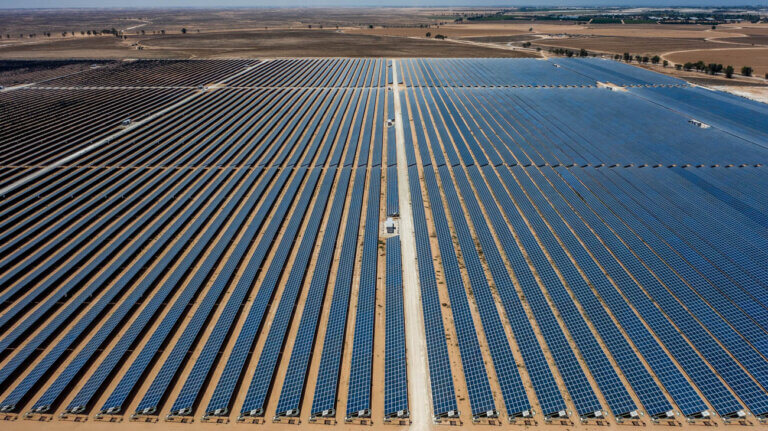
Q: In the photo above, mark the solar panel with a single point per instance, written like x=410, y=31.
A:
x=478, y=388
x=393, y=199
x=395, y=374
x=738, y=380
x=440, y=376
x=587, y=404
x=714, y=391
x=359, y=388
x=187, y=398
x=293, y=384
x=73, y=370
x=513, y=391
x=324, y=400
x=230, y=376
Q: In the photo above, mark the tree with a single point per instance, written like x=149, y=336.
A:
x=440, y=36
x=655, y=59
x=429, y=34
x=665, y=63
x=162, y=31
x=678, y=66
x=143, y=32
x=688, y=66
x=583, y=52
x=645, y=59
x=627, y=57
x=183, y=30
x=729, y=71
x=617, y=57
x=746, y=71
x=638, y=58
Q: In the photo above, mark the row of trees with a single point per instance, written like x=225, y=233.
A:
x=699, y=66
x=113, y=31
x=628, y=58
x=437, y=36
x=569, y=53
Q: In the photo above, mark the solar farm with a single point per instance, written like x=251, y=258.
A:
x=338, y=243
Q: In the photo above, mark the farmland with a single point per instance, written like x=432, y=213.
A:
x=342, y=243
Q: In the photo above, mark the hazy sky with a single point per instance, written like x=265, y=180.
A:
x=352, y=3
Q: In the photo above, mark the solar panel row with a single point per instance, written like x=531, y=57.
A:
x=315, y=72
x=137, y=264
x=360, y=375
x=695, y=274
x=395, y=365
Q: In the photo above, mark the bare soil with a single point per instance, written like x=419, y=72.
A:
x=757, y=58
x=303, y=43
x=634, y=45
x=246, y=44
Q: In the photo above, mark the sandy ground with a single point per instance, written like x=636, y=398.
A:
x=420, y=399
x=759, y=94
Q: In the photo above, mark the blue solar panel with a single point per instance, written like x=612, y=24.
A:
x=359, y=389
x=293, y=384
x=440, y=376
x=395, y=366
x=22, y=390
x=648, y=393
x=513, y=391
x=694, y=325
x=187, y=398
x=324, y=400
x=714, y=391
x=84, y=397
x=580, y=390
x=106, y=330
x=478, y=388
x=157, y=390
x=379, y=124
x=230, y=376
x=393, y=199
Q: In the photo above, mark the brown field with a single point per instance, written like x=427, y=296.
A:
x=302, y=43
x=55, y=21
x=450, y=30
x=217, y=33
x=750, y=39
x=634, y=45
x=757, y=58
x=255, y=43
x=503, y=39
